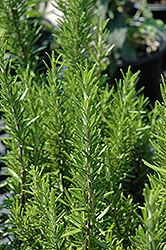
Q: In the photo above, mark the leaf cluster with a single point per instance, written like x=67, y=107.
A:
x=151, y=231
x=28, y=37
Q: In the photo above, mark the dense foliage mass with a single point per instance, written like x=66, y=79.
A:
x=76, y=141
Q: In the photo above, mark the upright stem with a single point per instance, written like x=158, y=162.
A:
x=19, y=38
x=22, y=178
x=21, y=158
x=90, y=203
x=89, y=185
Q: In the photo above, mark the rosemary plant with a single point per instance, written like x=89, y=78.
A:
x=151, y=232
x=26, y=34
x=75, y=143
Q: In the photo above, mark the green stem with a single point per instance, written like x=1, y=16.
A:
x=17, y=31
x=22, y=174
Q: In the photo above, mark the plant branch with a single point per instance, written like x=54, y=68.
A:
x=22, y=174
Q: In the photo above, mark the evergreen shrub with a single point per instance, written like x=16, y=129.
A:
x=76, y=143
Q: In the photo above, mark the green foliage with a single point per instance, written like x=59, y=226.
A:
x=25, y=115
x=23, y=37
x=159, y=143
x=39, y=226
x=74, y=34
x=151, y=234
x=86, y=217
x=28, y=36
x=22, y=109
x=75, y=144
x=58, y=124
x=127, y=135
x=82, y=35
